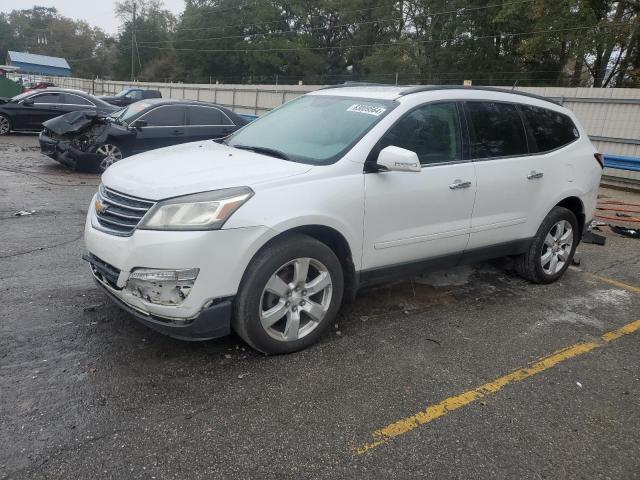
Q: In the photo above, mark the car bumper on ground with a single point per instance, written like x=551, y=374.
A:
x=221, y=257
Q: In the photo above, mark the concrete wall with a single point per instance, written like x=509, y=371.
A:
x=611, y=116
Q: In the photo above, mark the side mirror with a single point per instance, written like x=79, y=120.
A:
x=138, y=124
x=28, y=102
x=396, y=159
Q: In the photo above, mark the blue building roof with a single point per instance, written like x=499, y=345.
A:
x=33, y=59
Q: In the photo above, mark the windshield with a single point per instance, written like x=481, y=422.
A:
x=125, y=114
x=122, y=93
x=314, y=129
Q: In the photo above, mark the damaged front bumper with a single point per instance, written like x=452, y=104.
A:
x=213, y=321
x=194, y=304
x=66, y=154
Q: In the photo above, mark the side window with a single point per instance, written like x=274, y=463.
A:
x=134, y=95
x=548, y=129
x=207, y=116
x=497, y=130
x=47, y=98
x=431, y=131
x=72, y=99
x=171, y=116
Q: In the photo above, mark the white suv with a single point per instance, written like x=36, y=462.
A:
x=269, y=231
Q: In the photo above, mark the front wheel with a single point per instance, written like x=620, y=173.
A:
x=111, y=153
x=290, y=294
x=552, y=248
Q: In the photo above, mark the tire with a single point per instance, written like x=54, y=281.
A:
x=537, y=264
x=257, y=305
x=5, y=124
x=106, y=162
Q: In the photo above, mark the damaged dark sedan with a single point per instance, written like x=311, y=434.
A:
x=90, y=141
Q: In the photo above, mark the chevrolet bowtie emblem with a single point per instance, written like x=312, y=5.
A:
x=100, y=207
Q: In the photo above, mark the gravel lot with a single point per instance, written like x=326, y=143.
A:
x=87, y=393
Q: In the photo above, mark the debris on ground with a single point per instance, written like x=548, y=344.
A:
x=626, y=232
x=575, y=261
x=590, y=237
x=24, y=213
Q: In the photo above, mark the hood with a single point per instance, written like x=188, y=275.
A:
x=195, y=167
x=72, y=122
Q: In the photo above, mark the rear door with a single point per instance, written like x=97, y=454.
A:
x=510, y=180
x=72, y=102
x=165, y=126
x=426, y=215
x=208, y=123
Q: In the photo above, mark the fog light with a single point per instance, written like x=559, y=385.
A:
x=162, y=287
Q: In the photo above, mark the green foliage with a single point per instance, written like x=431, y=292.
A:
x=499, y=42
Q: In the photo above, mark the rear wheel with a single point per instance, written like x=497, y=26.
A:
x=5, y=124
x=290, y=294
x=552, y=249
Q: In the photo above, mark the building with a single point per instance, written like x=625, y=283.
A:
x=32, y=64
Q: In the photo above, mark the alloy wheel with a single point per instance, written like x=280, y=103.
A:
x=295, y=299
x=111, y=155
x=556, y=248
x=4, y=125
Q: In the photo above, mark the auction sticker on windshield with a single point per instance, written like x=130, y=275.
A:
x=368, y=109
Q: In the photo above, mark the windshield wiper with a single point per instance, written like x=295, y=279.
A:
x=266, y=150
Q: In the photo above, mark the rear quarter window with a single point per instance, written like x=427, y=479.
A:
x=547, y=129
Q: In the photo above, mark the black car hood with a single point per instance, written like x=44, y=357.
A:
x=4, y=100
x=72, y=122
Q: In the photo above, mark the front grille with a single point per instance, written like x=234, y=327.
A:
x=119, y=214
x=103, y=270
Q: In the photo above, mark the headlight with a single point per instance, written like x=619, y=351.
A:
x=201, y=211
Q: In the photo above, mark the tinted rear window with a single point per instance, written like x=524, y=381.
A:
x=207, y=116
x=165, y=116
x=548, y=130
x=497, y=130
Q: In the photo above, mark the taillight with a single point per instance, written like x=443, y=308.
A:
x=600, y=158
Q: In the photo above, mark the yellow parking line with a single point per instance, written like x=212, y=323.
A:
x=613, y=282
x=450, y=404
x=621, y=332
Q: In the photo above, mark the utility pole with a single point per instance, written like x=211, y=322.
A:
x=133, y=43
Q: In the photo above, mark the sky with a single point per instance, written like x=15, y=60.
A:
x=98, y=13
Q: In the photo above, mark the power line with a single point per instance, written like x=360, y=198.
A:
x=388, y=44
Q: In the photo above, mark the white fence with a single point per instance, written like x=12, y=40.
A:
x=611, y=116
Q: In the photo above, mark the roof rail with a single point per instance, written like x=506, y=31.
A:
x=430, y=88
x=357, y=84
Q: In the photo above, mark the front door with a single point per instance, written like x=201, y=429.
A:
x=45, y=106
x=426, y=215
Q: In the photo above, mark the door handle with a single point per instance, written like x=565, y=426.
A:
x=533, y=175
x=178, y=132
x=457, y=184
